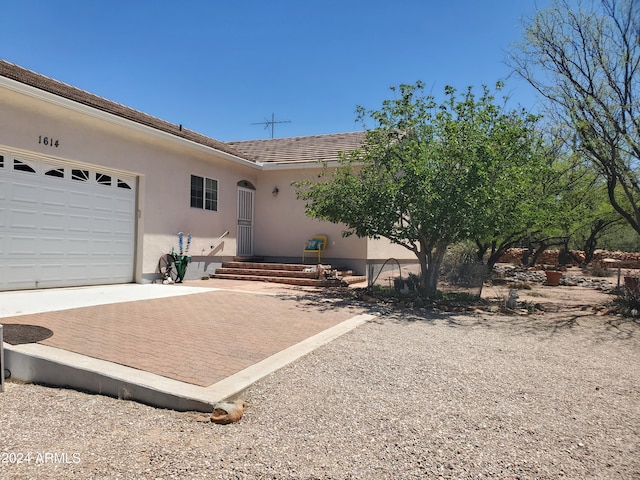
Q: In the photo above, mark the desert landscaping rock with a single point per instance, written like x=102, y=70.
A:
x=570, y=278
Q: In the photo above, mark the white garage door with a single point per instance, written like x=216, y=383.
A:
x=64, y=225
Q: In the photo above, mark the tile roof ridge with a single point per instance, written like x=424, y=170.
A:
x=51, y=85
x=298, y=137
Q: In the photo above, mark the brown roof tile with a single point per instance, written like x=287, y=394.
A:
x=28, y=77
x=322, y=148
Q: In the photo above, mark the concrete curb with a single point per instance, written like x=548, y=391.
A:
x=235, y=384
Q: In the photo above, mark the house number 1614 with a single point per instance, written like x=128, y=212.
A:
x=48, y=141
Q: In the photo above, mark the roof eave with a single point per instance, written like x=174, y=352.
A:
x=57, y=100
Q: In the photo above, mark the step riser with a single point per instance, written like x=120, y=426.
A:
x=266, y=273
x=290, y=274
x=303, y=282
x=288, y=267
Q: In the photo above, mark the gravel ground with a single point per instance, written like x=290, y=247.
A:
x=402, y=397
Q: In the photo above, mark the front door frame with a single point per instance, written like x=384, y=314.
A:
x=245, y=223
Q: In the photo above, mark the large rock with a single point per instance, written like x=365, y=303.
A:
x=226, y=412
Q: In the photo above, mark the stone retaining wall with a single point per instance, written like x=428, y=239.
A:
x=550, y=257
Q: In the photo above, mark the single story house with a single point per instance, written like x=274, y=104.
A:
x=94, y=192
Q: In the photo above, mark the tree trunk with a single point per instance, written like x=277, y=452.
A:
x=589, y=248
x=533, y=260
x=496, y=254
x=431, y=275
x=481, y=250
x=591, y=241
x=424, y=258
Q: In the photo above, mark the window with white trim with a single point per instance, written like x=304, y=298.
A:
x=204, y=193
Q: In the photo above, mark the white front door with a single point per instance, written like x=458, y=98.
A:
x=245, y=222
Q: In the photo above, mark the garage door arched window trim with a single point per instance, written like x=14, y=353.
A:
x=22, y=166
x=80, y=175
x=123, y=184
x=103, y=179
x=55, y=172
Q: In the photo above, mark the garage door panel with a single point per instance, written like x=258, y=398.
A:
x=24, y=219
x=23, y=246
x=121, y=248
x=22, y=193
x=103, y=225
x=101, y=270
x=64, y=226
x=55, y=197
x=79, y=224
x=50, y=273
x=77, y=272
x=103, y=203
x=122, y=228
x=22, y=273
x=79, y=247
x=102, y=248
x=80, y=201
x=124, y=206
x=53, y=222
x=52, y=247
x=4, y=189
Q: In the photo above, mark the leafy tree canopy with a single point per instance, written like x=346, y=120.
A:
x=429, y=174
x=584, y=58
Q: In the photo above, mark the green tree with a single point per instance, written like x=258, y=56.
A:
x=584, y=57
x=524, y=195
x=426, y=175
x=585, y=213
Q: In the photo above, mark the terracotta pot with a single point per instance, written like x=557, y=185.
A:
x=553, y=277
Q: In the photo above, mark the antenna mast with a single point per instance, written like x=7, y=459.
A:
x=270, y=123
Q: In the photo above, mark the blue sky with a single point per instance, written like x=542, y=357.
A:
x=218, y=66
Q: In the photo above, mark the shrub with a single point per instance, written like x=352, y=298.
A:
x=597, y=270
x=460, y=266
x=627, y=301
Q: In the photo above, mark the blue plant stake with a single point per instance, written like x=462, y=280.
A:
x=181, y=260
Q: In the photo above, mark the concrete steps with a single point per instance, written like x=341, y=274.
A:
x=286, y=273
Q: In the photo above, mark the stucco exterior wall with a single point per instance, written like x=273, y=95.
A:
x=382, y=249
x=162, y=165
x=282, y=227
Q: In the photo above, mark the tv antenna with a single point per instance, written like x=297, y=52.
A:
x=271, y=123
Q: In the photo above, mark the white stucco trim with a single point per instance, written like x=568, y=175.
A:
x=59, y=101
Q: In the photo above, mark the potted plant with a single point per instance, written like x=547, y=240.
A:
x=181, y=259
x=553, y=277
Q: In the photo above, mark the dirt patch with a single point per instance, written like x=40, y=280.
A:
x=596, y=296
